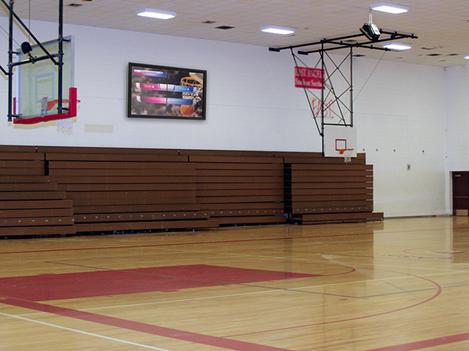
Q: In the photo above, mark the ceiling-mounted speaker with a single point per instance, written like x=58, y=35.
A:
x=371, y=31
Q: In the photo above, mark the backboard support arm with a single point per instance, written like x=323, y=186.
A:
x=331, y=68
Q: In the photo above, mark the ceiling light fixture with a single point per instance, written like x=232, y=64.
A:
x=397, y=46
x=278, y=30
x=466, y=57
x=390, y=8
x=158, y=14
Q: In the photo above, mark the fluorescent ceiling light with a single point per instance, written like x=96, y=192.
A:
x=278, y=30
x=390, y=8
x=397, y=46
x=466, y=57
x=153, y=13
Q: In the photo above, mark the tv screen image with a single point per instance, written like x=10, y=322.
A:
x=166, y=92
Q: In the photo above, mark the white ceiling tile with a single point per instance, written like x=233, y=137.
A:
x=440, y=24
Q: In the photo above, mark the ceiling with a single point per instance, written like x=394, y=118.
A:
x=442, y=26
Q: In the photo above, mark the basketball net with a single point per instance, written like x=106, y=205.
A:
x=65, y=126
x=347, y=154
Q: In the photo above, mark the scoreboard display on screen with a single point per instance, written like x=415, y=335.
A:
x=166, y=92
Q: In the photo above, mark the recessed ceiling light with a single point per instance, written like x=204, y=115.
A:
x=158, y=14
x=224, y=27
x=389, y=8
x=397, y=46
x=278, y=30
x=466, y=57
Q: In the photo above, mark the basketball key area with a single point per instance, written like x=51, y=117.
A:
x=272, y=288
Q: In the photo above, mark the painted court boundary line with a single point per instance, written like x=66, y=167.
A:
x=423, y=344
x=180, y=244
x=171, y=333
x=78, y=331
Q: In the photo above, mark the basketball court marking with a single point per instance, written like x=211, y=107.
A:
x=266, y=278
x=225, y=341
x=78, y=331
x=214, y=242
x=417, y=345
x=171, y=333
x=104, y=282
x=273, y=291
x=179, y=244
x=438, y=291
x=423, y=344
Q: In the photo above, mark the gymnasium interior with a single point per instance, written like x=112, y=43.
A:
x=219, y=175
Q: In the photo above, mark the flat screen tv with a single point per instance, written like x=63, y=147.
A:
x=166, y=92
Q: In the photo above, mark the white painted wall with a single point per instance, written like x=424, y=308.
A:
x=252, y=105
x=457, y=87
x=401, y=119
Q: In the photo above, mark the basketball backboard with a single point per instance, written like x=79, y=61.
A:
x=37, y=83
x=340, y=141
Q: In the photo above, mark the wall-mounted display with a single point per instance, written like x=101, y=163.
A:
x=166, y=92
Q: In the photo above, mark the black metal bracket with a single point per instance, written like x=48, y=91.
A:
x=332, y=67
x=345, y=41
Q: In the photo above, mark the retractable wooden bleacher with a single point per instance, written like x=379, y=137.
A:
x=239, y=187
x=117, y=189
x=30, y=203
x=327, y=190
x=68, y=190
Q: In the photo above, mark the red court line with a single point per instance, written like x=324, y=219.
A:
x=181, y=244
x=423, y=344
x=182, y=335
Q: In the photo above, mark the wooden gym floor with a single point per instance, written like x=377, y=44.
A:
x=398, y=285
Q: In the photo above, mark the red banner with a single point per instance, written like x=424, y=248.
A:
x=310, y=78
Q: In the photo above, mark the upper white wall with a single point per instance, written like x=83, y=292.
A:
x=251, y=102
x=252, y=105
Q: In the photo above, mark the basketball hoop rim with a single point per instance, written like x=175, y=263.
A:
x=342, y=151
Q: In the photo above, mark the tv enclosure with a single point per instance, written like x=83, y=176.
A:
x=166, y=92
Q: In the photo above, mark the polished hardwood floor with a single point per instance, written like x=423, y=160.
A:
x=398, y=285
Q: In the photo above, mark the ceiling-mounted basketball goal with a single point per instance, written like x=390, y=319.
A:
x=40, y=74
x=329, y=86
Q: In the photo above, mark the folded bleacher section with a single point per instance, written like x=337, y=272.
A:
x=67, y=190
